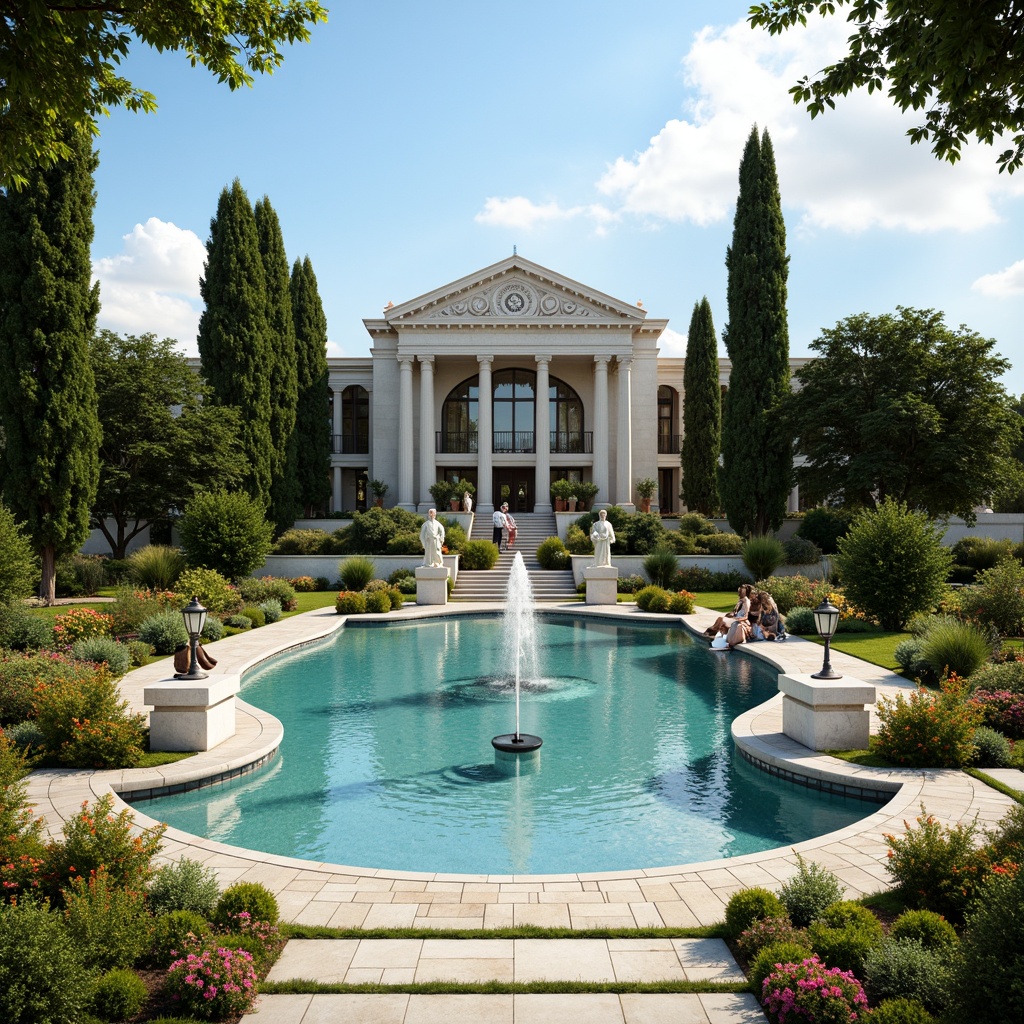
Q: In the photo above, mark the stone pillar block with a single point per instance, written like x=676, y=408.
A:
x=192, y=714
x=602, y=584
x=826, y=714
x=432, y=584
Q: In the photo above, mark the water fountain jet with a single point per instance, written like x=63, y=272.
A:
x=519, y=645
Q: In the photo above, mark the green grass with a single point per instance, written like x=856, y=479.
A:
x=308, y=602
x=301, y=986
x=876, y=647
x=716, y=600
x=156, y=758
x=312, y=931
x=866, y=758
x=62, y=609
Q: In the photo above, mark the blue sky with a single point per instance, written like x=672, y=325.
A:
x=409, y=144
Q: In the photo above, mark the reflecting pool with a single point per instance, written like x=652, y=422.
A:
x=387, y=762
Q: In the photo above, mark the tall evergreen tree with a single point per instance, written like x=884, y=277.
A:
x=757, y=471
x=48, y=307
x=284, y=386
x=312, y=426
x=702, y=413
x=233, y=331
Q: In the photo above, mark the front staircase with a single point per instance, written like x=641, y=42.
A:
x=491, y=584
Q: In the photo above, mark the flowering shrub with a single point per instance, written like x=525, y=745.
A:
x=936, y=867
x=768, y=930
x=350, y=602
x=303, y=584
x=998, y=597
x=681, y=603
x=1002, y=710
x=809, y=991
x=214, y=983
x=927, y=730
x=80, y=624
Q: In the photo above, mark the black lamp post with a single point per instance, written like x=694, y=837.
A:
x=194, y=615
x=826, y=618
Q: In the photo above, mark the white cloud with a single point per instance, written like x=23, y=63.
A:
x=1003, y=283
x=671, y=344
x=152, y=285
x=521, y=212
x=851, y=169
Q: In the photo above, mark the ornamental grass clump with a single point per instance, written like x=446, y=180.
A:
x=952, y=645
x=156, y=566
x=762, y=556
x=356, y=572
x=811, y=991
x=929, y=730
x=661, y=565
x=214, y=983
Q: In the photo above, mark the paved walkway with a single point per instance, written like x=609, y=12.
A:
x=681, y=896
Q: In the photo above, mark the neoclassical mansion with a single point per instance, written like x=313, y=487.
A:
x=510, y=378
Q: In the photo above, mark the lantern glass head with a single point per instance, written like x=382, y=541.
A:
x=826, y=619
x=194, y=615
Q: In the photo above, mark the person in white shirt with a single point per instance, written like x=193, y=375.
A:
x=500, y=524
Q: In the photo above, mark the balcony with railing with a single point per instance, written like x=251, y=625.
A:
x=350, y=444
x=567, y=442
x=669, y=444
x=513, y=441
x=454, y=442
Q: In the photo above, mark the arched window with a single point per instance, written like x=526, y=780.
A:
x=460, y=414
x=355, y=420
x=514, y=406
x=668, y=439
x=566, y=419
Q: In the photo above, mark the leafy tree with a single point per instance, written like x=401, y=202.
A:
x=284, y=385
x=312, y=426
x=48, y=308
x=1009, y=492
x=19, y=568
x=153, y=461
x=892, y=563
x=901, y=406
x=59, y=58
x=702, y=413
x=959, y=62
x=226, y=531
x=755, y=480
x=234, y=334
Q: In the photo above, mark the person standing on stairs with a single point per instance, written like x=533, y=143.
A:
x=500, y=524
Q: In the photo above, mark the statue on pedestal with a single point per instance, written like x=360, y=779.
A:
x=432, y=539
x=603, y=536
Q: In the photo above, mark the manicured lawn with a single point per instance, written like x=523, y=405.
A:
x=716, y=600
x=875, y=647
x=318, y=599
x=62, y=609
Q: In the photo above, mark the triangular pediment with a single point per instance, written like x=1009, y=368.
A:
x=514, y=291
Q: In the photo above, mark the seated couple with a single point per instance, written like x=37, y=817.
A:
x=754, y=617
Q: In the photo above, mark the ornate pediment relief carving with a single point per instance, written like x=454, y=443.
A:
x=517, y=299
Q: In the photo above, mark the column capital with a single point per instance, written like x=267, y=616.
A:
x=625, y=361
x=542, y=359
x=602, y=360
x=426, y=360
x=485, y=360
x=405, y=361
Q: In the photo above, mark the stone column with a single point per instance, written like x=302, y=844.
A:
x=485, y=439
x=428, y=463
x=624, y=460
x=542, y=438
x=336, y=407
x=405, y=445
x=600, y=430
x=336, y=488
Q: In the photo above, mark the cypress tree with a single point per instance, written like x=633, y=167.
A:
x=312, y=426
x=757, y=471
x=284, y=387
x=702, y=413
x=48, y=308
x=233, y=331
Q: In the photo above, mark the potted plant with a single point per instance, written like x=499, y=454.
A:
x=379, y=489
x=585, y=494
x=560, y=491
x=442, y=493
x=646, y=488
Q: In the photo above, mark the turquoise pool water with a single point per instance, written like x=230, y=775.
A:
x=387, y=762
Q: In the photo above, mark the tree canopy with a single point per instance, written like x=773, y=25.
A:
x=958, y=63
x=901, y=406
x=59, y=61
x=702, y=413
x=162, y=444
x=756, y=472
x=48, y=307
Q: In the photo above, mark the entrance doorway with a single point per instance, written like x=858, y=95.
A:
x=516, y=487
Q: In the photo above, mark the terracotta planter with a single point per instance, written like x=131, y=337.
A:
x=645, y=504
x=455, y=504
x=559, y=504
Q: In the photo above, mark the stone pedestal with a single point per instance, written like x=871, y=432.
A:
x=826, y=714
x=431, y=584
x=602, y=584
x=192, y=714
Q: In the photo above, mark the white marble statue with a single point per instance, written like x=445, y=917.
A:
x=467, y=502
x=603, y=536
x=432, y=538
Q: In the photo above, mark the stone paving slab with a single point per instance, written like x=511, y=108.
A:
x=601, y=961
x=590, y=1008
